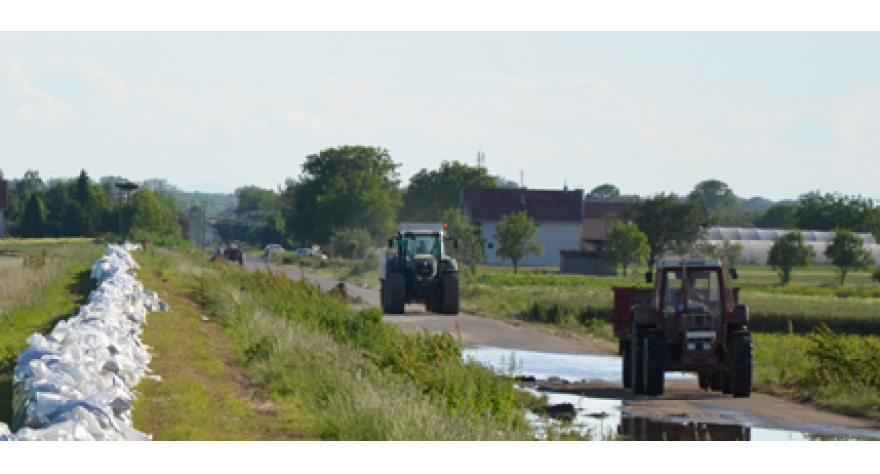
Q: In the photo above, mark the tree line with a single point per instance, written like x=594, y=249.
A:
x=81, y=207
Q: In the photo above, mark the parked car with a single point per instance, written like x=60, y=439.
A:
x=274, y=248
x=308, y=253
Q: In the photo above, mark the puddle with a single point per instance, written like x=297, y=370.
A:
x=541, y=365
x=602, y=419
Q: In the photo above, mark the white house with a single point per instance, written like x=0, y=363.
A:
x=558, y=214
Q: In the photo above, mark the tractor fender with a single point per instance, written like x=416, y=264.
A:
x=642, y=315
x=448, y=264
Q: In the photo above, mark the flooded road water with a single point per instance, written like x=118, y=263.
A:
x=607, y=418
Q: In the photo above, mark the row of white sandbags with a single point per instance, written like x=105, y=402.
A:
x=76, y=382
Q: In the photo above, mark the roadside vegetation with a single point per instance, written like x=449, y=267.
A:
x=35, y=296
x=325, y=370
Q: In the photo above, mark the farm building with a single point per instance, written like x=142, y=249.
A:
x=757, y=242
x=558, y=214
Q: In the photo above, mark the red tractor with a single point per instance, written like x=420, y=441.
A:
x=690, y=321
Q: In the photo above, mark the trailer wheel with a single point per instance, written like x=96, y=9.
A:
x=626, y=366
x=395, y=293
x=449, y=303
x=655, y=364
x=742, y=372
x=705, y=380
x=638, y=362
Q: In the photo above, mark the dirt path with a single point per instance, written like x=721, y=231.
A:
x=683, y=399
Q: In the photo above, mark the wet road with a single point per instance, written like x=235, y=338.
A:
x=594, y=374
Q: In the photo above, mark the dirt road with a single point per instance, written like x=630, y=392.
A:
x=683, y=400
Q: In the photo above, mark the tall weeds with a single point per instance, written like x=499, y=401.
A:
x=356, y=377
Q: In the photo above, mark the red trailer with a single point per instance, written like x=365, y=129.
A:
x=691, y=320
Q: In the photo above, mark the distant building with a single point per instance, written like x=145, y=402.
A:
x=557, y=213
x=599, y=216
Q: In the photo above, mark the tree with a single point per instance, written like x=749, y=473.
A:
x=33, y=223
x=778, y=216
x=832, y=211
x=722, y=206
x=252, y=198
x=146, y=215
x=31, y=183
x=727, y=252
x=349, y=186
x=514, y=234
x=787, y=252
x=604, y=192
x=667, y=222
x=503, y=182
x=471, y=243
x=847, y=252
x=431, y=193
x=351, y=243
x=625, y=244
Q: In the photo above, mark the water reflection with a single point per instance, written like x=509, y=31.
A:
x=602, y=419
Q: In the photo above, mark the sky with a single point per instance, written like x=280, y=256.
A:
x=772, y=114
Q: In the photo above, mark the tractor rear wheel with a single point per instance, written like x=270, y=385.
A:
x=638, y=362
x=449, y=293
x=395, y=293
x=742, y=371
x=655, y=364
x=626, y=369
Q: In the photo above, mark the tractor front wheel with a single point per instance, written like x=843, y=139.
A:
x=450, y=293
x=655, y=364
x=638, y=363
x=742, y=371
x=395, y=293
x=705, y=380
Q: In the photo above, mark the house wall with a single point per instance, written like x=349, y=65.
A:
x=554, y=236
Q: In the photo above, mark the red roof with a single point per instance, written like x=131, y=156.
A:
x=605, y=208
x=540, y=205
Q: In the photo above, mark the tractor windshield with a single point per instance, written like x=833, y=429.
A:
x=422, y=244
x=700, y=287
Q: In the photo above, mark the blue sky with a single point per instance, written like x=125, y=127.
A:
x=771, y=114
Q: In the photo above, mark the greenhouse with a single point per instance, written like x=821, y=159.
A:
x=756, y=243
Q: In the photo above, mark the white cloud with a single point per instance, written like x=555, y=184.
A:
x=584, y=81
x=500, y=80
x=38, y=105
x=183, y=113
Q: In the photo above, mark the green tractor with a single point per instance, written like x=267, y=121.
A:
x=420, y=272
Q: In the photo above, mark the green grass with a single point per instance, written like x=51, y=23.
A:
x=328, y=372
x=35, y=299
x=837, y=372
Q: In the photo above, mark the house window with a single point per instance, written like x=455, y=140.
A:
x=491, y=245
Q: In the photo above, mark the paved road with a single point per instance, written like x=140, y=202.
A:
x=474, y=329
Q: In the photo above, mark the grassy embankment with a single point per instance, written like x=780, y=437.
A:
x=34, y=298
x=296, y=362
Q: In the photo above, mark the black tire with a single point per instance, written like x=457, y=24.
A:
x=638, y=362
x=726, y=383
x=449, y=293
x=705, y=380
x=655, y=364
x=626, y=366
x=716, y=382
x=395, y=293
x=742, y=371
